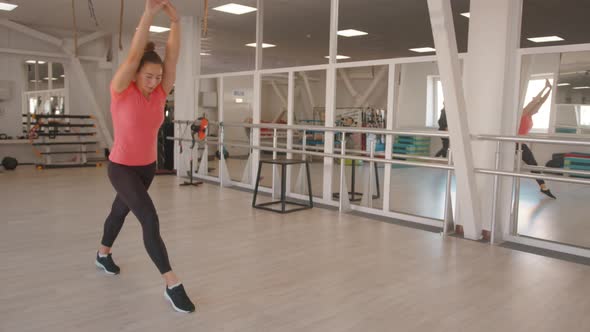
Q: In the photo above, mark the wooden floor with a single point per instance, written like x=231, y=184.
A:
x=252, y=270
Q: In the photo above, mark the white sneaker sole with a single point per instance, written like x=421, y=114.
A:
x=174, y=306
x=100, y=266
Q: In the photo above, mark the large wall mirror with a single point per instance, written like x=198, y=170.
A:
x=572, y=112
x=565, y=113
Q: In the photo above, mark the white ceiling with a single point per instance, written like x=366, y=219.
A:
x=300, y=27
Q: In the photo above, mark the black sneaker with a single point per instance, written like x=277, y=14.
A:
x=107, y=264
x=179, y=300
x=548, y=193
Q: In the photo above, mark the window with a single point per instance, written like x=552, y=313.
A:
x=584, y=117
x=42, y=75
x=541, y=119
x=435, y=102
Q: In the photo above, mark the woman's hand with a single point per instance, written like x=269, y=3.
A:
x=152, y=7
x=170, y=10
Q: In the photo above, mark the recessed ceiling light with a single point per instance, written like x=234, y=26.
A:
x=205, y=53
x=351, y=33
x=34, y=81
x=239, y=100
x=467, y=14
x=563, y=84
x=234, y=8
x=423, y=49
x=7, y=6
x=339, y=57
x=35, y=61
x=47, y=78
x=581, y=87
x=62, y=75
x=545, y=39
x=264, y=45
x=157, y=29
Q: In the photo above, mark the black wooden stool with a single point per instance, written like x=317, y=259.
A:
x=283, y=163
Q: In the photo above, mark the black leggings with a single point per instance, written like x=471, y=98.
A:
x=445, y=148
x=529, y=159
x=131, y=184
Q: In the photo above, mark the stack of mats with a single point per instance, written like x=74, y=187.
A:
x=577, y=161
x=411, y=145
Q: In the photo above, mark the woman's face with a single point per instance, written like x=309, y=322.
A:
x=149, y=77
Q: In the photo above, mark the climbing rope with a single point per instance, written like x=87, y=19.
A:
x=75, y=28
x=205, y=19
x=121, y=25
x=92, y=13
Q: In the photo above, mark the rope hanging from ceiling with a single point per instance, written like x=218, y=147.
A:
x=75, y=28
x=205, y=19
x=121, y=25
x=92, y=13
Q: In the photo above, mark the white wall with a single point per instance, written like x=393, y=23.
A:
x=12, y=69
x=237, y=112
x=413, y=94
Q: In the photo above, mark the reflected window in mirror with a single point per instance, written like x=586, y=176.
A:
x=541, y=120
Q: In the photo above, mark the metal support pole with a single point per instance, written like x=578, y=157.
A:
x=448, y=210
x=371, y=170
x=516, y=193
x=495, y=193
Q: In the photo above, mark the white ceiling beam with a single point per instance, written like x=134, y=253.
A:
x=362, y=100
x=31, y=32
x=308, y=89
x=347, y=83
x=33, y=53
x=279, y=93
x=443, y=31
x=92, y=37
x=77, y=73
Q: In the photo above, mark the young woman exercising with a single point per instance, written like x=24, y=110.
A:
x=138, y=95
x=526, y=124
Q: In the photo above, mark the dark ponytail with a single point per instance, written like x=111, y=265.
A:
x=150, y=56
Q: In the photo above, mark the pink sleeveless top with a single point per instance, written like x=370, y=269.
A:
x=526, y=124
x=136, y=121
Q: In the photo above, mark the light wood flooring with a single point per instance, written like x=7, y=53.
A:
x=252, y=270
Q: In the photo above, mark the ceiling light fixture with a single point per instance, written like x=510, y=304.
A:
x=351, y=33
x=264, y=45
x=581, y=87
x=423, y=49
x=467, y=14
x=234, y=8
x=546, y=39
x=7, y=6
x=339, y=57
x=563, y=84
x=157, y=29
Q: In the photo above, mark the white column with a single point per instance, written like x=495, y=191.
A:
x=256, y=112
x=492, y=90
x=185, y=91
x=390, y=121
x=445, y=42
x=330, y=101
x=290, y=122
